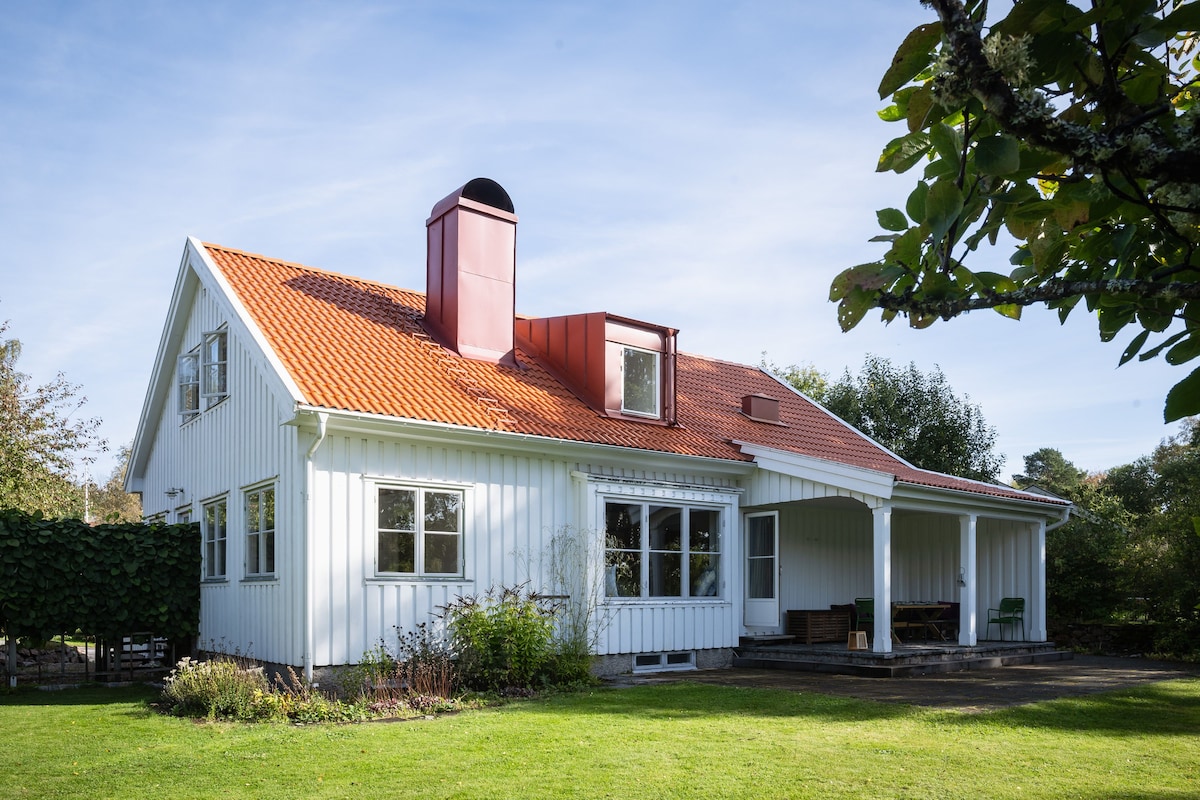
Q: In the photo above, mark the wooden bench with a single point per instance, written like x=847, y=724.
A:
x=818, y=625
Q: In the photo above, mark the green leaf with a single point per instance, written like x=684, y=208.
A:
x=1185, y=351
x=998, y=155
x=892, y=219
x=947, y=142
x=920, y=108
x=942, y=207
x=915, y=206
x=900, y=154
x=1010, y=310
x=914, y=54
x=1184, y=398
x=1134, y=347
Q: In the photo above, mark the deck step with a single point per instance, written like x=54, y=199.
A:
x=888, y=665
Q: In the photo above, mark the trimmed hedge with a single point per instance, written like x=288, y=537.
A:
x=63, y=575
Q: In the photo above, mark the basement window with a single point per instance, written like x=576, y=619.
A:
x=640, y=373
x=662, y=662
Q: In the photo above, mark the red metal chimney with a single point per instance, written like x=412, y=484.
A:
x=471, y=272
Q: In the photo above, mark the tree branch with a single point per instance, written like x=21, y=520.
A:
x=1042, y=293
x=1034, y=121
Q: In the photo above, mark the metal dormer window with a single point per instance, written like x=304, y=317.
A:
x=640, y=382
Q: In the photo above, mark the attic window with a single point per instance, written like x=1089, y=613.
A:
x=189, y=384
x=640, y=373
x=215, y=352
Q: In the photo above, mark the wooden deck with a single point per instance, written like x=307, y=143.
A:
x=907, y=658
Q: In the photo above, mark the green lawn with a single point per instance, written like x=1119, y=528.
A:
x=676, y=740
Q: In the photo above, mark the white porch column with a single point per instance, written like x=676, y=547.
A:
x=1037, y=620
x=882, y=563
x=968, y=609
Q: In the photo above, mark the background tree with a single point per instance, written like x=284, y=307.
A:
x=39, y=439
x=1048, y=469
x=1074, y=131
x=913, y=414
x=804, y=378
x=110, y=502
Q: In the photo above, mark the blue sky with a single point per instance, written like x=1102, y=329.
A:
x=704, y=165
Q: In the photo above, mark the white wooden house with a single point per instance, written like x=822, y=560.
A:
x=358, y=455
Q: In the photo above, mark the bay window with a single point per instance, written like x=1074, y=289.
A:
x=654, y=549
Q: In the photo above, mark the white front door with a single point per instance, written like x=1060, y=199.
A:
x=762, y=570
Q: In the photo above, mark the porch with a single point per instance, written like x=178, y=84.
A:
x=905, y=658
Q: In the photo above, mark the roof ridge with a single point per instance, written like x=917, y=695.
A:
x=309, y=268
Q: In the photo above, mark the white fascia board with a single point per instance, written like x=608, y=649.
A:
x=524, y=443
x=855, y=479
x=913, y=497
x=161, y=371
x=250, y=328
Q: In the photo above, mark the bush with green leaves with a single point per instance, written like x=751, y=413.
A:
x=503, y=640
x=220, y=688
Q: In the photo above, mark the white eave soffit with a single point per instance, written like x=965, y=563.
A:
x=832, y=473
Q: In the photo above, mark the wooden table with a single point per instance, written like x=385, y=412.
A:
x=926, y=616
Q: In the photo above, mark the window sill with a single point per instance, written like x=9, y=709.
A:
x=213, y=581
x=260, y=579
x=392, y=579
x=668, y=601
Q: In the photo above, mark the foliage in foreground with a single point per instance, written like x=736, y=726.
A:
x=1069, y=128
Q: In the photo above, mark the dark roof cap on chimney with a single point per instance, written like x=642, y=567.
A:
x=488, y=192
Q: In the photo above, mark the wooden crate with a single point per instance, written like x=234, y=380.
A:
x=818, y=625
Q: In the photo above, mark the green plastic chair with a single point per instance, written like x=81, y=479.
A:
x=864, y=610
x=1011, y=612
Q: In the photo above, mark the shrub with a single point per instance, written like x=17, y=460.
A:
x=220, y=688
x=503, y=640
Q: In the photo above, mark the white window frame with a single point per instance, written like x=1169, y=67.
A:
x=214, y=368
x=183, y=515
x=419, y=532
x=646, y=554
x=656, y=393
x=215, y=538
x=260, y=538
x=188, y=384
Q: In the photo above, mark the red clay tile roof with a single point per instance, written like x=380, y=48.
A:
x=355, y=345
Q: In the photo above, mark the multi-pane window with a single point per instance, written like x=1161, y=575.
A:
x=260, y=532
x=215, y=531
x=189, y=384
x=419, y=531
x=656, y=550
x=215, y=355
x=639, y=381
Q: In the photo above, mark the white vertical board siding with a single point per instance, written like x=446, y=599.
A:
x=825, y=556
x=925, y=556
x=1008, y=557
x=514, y=505
x=238, y=443
x=653, y=625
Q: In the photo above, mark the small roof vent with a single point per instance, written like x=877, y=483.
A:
x=761, y=408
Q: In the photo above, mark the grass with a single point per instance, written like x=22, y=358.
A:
x=674, y=740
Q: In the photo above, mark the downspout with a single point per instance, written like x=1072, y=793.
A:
x=306, y=600
x=1065, y=518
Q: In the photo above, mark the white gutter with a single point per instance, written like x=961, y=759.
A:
x=306, y=600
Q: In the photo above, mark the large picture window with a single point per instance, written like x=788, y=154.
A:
x=260, y=532
x=659, y=550
x=419, y=531
x=215, y=532
x=215, y=353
